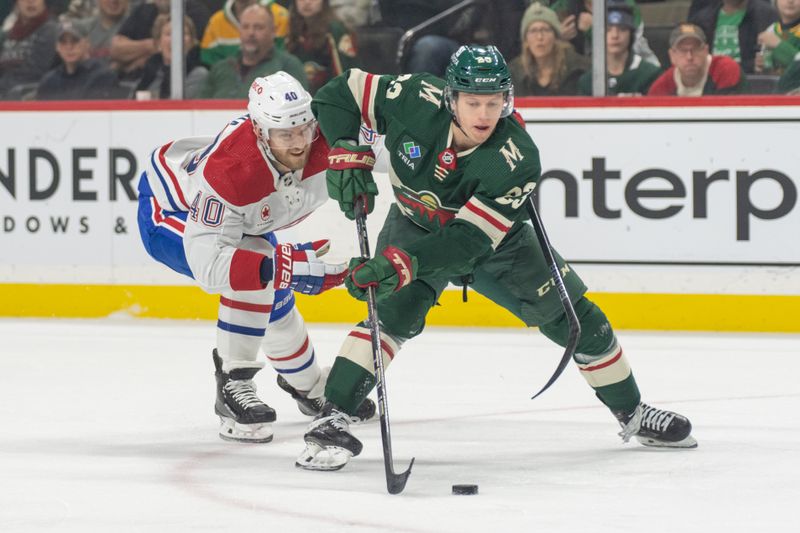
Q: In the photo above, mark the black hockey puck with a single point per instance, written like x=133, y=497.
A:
x=465, y=489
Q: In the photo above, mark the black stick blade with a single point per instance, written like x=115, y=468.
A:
x=395, y=483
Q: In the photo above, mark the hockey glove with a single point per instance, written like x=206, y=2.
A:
x=349, y=176
x=388, y=273
x=298, y=267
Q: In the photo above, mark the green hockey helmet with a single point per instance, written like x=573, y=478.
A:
x=478, y=70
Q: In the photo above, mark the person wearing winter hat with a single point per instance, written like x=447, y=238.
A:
x=547, y=66
x=628, y=73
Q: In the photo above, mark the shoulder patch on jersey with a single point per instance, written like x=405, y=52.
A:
x=236, y=170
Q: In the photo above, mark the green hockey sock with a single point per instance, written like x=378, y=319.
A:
x=348, y=385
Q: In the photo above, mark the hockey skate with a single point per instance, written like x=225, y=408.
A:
x=656, y=427
x=243, y=417
x=329, y=443
x=311, y=402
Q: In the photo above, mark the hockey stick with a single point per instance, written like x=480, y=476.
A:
x=572, y=318
x=395, y=483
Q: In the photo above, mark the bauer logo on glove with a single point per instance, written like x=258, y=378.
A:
x=298, y=267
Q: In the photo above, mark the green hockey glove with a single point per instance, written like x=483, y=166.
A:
x=388, y=273
x=349, y=176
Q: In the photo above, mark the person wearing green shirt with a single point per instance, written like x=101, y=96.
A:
x=258, y=57
x=627, y=73
x=462, y=166
x=732, y=28
x=781, y=40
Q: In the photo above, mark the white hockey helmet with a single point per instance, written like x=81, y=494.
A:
x=278, y=101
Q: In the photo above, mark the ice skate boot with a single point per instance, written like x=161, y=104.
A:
x=329, y=443
x=243, y=417
x=656, y=427
x=310, y=403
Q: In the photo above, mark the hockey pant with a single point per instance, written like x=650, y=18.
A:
x=246, y=320
x=517, y=278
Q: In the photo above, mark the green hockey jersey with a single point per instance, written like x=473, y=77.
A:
x=470, y=200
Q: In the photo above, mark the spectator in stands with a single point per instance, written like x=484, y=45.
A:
x=27, y=49
x=789, y=83
x=104, y=25
x=353, y=13
x=221, y=39
x=732, y=27
x=133, y=44
x=320, y=41
x=781, y=40
x=628, y=73
x=547, y=66
x=257, y=57
x=156, y=72
x=694, y=72
x=79, y=77
x=576, y=27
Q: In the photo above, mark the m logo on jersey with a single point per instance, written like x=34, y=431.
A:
x=511, y=153
x=431, y=93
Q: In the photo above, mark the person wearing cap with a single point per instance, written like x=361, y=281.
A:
x=732, y=28
x=78, y=77
x=576, y=27
x=547, y=65
x=628, y=73
x=27, y=48
x=694, y=71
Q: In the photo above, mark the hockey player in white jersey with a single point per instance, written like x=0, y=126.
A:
x=207, y=209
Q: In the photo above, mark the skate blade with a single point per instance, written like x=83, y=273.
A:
x=688, y=442
x=327, y=459
x=232, y=431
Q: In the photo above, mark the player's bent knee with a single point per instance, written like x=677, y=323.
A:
x=596, y=332
x=403, y=314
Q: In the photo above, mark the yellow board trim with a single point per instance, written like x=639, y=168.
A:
x=692, y=312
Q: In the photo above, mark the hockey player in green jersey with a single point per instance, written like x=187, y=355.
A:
x=461, y=166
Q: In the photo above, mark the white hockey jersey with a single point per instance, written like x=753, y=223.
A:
x=230, y=189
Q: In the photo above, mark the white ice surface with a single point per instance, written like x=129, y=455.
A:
x=108, y=426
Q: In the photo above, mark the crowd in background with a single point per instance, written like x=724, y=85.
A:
x=115, y=49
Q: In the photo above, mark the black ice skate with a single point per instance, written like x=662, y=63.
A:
x=243, y=417
x=656, y=427
x=329, y=443
x=312, y=406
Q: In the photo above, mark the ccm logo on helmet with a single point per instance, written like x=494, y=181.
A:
x=257, y=88
x=485, y=80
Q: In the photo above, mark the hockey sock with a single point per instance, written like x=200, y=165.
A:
x=290, y=351
x=241, y=324
x=598, y=355
x=353, y=374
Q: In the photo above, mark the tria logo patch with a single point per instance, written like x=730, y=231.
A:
x=411, y=149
